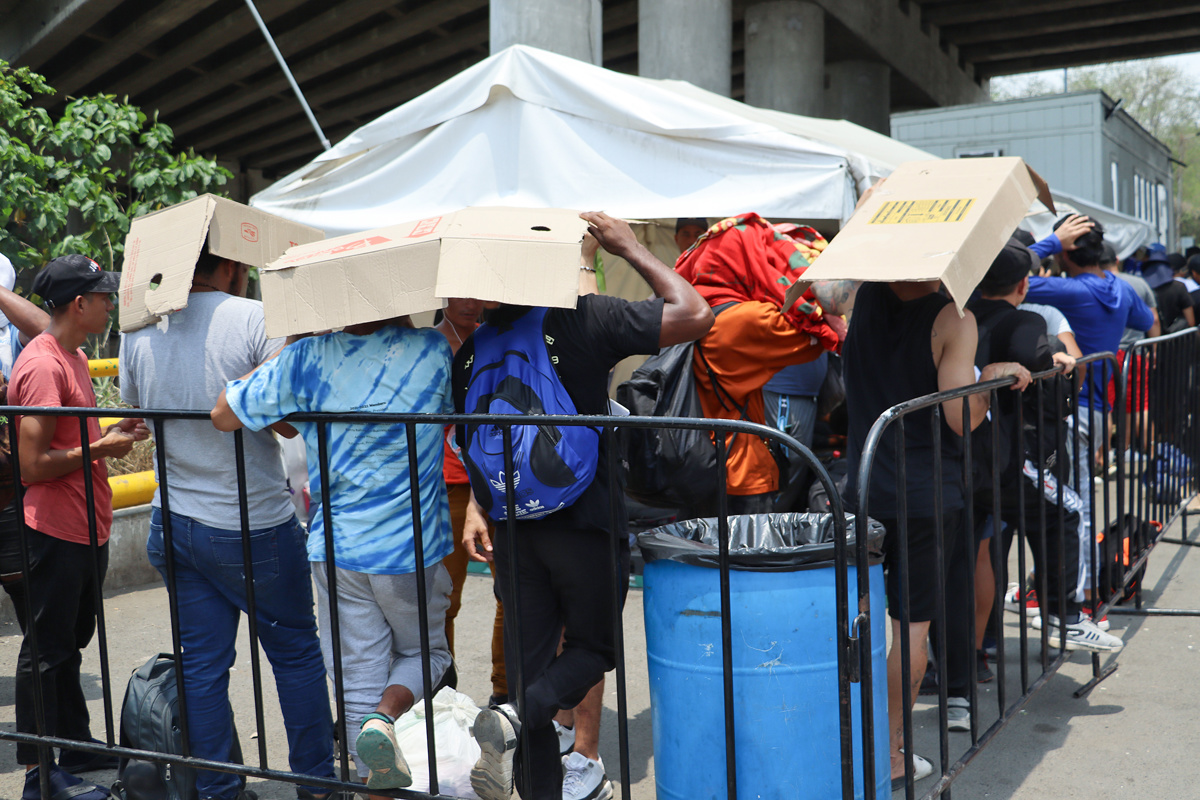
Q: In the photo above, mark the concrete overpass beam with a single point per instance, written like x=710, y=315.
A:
x=687, y=40
x=785, y=57
x=860, y=91
x=913, y=50
x=568, y=27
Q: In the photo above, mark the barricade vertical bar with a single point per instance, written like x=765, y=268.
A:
x=160, y=448
x=999, y=562
x=997, y=535
x=866, y=670
x=514, y=618
x=939, y=608
x=45, y=756
x=969, y=532
x=726, y=621
x=414, y=489
x=906, y=697
x=97, y=577
x=842, y=621
x=1105, y=493
x=335, y=629
x=239, y=454
x=1042, y=528
x=614, y=510
x=1123, y=442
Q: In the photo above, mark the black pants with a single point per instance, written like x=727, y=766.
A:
x=62, y=592
x=564, y=581
x=11, y=577
x=1061, y=574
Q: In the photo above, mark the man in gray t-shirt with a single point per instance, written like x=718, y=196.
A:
x=183, y=363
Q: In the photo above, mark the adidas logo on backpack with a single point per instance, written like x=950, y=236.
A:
x=512, y=373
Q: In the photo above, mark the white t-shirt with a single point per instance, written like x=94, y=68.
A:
x=1056, y=322
x=183, y=363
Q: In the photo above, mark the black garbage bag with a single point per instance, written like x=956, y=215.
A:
x=759, y=542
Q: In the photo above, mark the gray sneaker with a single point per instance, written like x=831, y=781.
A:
x=958, y=714
x=496, y=730
x=1084, y=635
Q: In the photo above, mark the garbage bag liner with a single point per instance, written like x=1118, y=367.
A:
x=759, y=542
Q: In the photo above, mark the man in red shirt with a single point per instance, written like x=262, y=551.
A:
x=63, y=566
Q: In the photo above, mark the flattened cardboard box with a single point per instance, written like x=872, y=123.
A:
x=162, y=249
x=932, y=220
x=509, y=255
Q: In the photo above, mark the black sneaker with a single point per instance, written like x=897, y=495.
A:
x=77, y=762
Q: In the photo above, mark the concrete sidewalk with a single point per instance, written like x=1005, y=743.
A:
x=1134, y=737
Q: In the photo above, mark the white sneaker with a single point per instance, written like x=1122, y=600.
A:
x=584, y=779
x=1085, y=635
x=922, y=769
x=958, y=714
x=566, y=738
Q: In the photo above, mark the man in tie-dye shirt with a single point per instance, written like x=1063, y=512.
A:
x=379, y=367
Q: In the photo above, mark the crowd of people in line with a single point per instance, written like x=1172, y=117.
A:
x=754, y=360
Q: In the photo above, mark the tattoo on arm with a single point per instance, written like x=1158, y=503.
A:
x=836, y=297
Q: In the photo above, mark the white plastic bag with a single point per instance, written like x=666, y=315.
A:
x=457, y=751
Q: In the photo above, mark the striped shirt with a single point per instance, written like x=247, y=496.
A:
x=394, y=370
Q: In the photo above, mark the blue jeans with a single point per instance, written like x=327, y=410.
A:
x=211, y=591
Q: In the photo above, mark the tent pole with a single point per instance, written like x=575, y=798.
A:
x=262, y=26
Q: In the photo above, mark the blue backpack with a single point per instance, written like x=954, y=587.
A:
x=552, y=466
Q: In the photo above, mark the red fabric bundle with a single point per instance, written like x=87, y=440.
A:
x=745, y=258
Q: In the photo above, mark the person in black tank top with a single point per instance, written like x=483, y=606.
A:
x=905, y=343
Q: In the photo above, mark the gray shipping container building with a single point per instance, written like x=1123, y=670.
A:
x=1080, y=142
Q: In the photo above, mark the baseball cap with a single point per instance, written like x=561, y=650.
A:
x=1011, y=265
x=67, y=277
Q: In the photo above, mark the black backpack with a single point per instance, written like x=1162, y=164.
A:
x=666, y=468
x=150, y=721
x=1122, y=544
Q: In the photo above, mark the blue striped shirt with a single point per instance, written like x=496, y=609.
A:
x=394, y=370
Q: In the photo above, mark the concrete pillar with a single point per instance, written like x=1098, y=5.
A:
x=860, y=91
x=568, y=27
x=689, y=40
x=785, y=57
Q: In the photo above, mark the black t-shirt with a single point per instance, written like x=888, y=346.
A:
x=1173, y=298
x=584, y=343
x=1007, y=333
x=887, y=360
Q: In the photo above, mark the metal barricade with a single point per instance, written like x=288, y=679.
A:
x=324, y=424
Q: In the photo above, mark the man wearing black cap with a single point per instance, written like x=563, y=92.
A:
x=63, y=566
x=1007, y=333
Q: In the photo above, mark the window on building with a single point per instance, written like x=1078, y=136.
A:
x=978, y=152
x=1115, y=178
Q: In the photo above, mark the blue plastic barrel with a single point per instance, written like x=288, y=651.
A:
x=786, y=725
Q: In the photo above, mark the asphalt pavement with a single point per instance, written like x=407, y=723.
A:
x=1133, y=737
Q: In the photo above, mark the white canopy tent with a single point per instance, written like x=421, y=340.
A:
x=530, y=128
x=1125, y=233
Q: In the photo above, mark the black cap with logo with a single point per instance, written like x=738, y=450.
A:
x=67, y=277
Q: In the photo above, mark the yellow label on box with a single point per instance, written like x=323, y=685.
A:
x=913, y=212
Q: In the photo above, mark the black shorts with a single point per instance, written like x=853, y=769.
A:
x=922, y=562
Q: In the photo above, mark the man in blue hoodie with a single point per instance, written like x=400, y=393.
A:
x=1099, y=307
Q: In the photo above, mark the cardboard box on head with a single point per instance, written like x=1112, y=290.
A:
x=162, y=248
x=932, y=220
x=508, y=255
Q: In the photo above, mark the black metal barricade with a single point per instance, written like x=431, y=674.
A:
x=846, y=672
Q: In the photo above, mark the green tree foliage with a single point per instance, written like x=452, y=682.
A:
x=72, y=183
x=1161, y=96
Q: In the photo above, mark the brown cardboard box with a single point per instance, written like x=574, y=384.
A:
x=932, y=220
x=509, y=255
x=162, y=248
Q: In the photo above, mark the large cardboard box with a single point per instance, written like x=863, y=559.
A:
x=162, y=248
x=509, y=255
x=932, y=220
